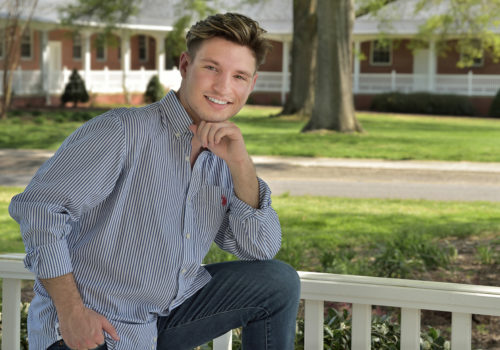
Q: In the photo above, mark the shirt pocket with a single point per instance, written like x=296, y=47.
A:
x=210, y=207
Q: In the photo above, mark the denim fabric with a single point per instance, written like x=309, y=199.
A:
x=60, y=345
x=260, y=296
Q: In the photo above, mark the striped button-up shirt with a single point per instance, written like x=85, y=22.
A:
x=121, y=208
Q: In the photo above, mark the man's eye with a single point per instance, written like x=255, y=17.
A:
x=241, y=77
x=210, y=68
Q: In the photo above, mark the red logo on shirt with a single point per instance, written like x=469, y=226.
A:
x=224, y=200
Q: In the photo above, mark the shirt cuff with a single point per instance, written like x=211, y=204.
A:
x=49, y=261
x=244, y=211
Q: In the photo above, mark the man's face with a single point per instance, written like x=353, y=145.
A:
x=216, y=83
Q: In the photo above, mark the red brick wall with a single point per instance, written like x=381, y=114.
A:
x=447, y=64
x=150, y=64
x=273, y=61
x=402, y=59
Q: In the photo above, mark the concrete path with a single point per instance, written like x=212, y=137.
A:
x=356, y=178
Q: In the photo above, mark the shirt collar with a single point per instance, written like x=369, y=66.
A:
x=175, y=113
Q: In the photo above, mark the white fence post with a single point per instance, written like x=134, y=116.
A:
x=469, y=83
x=11, y=313
x=313, y=324
x=393, y=80
x=224, y=342
x=461, y=331
x=410, y=329
x=361, y=326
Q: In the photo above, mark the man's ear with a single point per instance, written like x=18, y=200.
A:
x=184, y=62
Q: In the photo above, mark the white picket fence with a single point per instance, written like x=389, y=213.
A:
x=411, y=296
x=29, y=82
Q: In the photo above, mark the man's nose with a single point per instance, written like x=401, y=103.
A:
x=222, y=83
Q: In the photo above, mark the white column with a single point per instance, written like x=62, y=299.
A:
x=285, y=61
x=160, y=55
x=45, y=67
x=431, y=74
x=357, y=65
x=87, y=59
x=126, y=59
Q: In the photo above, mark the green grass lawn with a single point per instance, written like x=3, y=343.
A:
x=344, y=235
x=386, y=136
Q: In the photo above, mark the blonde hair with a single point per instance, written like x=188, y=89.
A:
x=234, y=27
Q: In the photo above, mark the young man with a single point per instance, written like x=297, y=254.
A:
x=117, y=223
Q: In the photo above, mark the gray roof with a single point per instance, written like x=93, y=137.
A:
x=160, y=15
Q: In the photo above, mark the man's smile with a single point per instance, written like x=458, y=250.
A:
x=217, y=101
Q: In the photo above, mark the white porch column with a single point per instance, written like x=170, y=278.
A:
x=126, y=59
x=160, y=55
x=45, y=67
x=285, y=61
x=87, y=59
x=357, y=65
x=431, y=82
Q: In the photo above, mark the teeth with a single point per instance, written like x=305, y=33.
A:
x=214, y=100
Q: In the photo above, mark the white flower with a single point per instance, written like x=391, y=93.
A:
x=427, y=345
x=447, y=345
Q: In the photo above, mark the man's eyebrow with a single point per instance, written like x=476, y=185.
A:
x=215, y=63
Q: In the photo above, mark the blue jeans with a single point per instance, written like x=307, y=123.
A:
x=260, y=296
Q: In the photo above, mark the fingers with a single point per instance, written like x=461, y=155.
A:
x=108, y=328
x=212, y=133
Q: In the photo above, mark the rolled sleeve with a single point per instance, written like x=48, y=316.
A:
x=76, y=179
x=49, y=261
x=252, y=234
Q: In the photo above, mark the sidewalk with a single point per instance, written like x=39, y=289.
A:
x=356, y=178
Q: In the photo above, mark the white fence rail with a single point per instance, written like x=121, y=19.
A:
x=112, y=81
x=363, y=292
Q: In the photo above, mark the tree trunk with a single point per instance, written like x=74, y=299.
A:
x=334, y=106
x=301, y=97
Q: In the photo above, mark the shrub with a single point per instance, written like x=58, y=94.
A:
x=422, y=103
x=75, y=90
x=495, y=106
x=154, y=90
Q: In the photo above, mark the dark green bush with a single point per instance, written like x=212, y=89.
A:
x=75, y=90
x=154, y=90
x=422, y=103
x=495, y=106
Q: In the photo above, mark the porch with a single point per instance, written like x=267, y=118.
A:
x=411, y=296
x=106, y=81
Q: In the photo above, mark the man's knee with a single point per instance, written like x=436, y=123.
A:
x=285, y=279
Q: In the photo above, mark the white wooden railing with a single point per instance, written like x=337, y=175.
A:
x=363, y=292
x=27, y=82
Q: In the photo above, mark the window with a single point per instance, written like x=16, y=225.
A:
x=26, y=44
x=77, y=47
x=472, y=49
x=381, y=53
x=143, y=48
x=100, y=49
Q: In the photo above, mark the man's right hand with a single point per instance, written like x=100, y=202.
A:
x=83, y=328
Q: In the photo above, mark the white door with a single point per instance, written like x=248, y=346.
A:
x=55, y=67
x=420, y=70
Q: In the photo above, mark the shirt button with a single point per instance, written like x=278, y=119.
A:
x=187, y=158
x=177, y=135
x=183, y=271
x=188, y=235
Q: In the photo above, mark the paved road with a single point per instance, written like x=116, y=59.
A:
x=463, y=181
